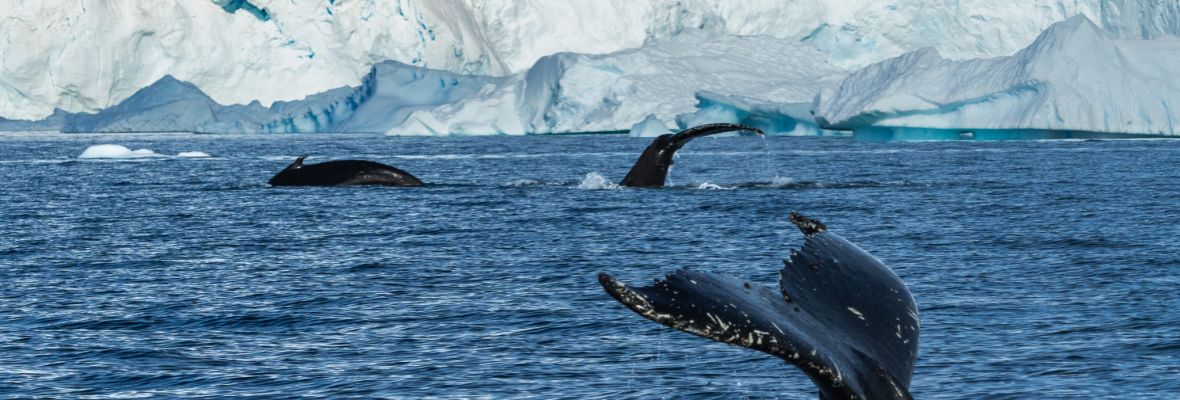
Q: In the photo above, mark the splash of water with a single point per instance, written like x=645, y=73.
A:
x=595, y=181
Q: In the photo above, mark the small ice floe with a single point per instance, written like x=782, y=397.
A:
x=595, y=181
x=116, y=151
x=193, y=154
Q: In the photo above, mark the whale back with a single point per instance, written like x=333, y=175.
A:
x=342, y=173
x=840, y=316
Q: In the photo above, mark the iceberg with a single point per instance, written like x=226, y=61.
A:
x=170, y=105
x=570, y=92
x=772, y=117
x=394, y=92
x=651, y=126
x=89, y=55
x=1074, y=80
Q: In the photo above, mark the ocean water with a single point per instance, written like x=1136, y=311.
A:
x=1042, y=269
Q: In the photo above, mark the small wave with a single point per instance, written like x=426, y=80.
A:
x=780, y=182
x=525, y=183
x=712, y=186
x=595, y=181
x=193, y=154
x=39, y=161
x=116, y=151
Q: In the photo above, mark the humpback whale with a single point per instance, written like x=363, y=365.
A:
x=342, y=173
x=840, y=315
x=651, y=169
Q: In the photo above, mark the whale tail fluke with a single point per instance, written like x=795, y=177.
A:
x=839, y=315
x=651, y=169
x=683, y=137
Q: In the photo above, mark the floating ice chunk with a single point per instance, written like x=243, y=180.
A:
x=116, y=151
x=651, y=126
x=193, y=154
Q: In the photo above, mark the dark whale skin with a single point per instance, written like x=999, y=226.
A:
x=342, y=173
x=651, y=169
x=840, y=315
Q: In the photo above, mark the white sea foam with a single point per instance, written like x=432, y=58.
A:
x=781, y=182
x=595, y=181
x=712, y=186
x=193, y=154
x=116, y=151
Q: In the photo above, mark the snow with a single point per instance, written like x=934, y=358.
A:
x=82, y=56
x=116, y=151
x=1075, y=79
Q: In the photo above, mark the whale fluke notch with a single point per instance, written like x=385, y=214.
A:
x=342, y=173
x=651, y=169
x=840, y=315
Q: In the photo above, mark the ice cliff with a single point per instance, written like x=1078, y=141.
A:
x=565, y=92
x=1073, y=77
x=570, y=92
x=89, y=55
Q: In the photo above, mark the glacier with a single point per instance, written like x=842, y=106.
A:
x=1074, y=80
x=83, y=56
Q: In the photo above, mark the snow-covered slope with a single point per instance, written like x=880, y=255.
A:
x=588, y=93
x=1074, y=77
x=87, y=55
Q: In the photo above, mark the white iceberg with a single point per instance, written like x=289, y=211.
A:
x=1074, y=78
x=88, y=55
x=116, y=151
x=651, y=126
x=612, y=92
x=772, y=117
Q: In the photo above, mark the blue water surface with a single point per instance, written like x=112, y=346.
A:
x=1046, y=269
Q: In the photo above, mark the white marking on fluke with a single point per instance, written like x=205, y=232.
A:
x=858, y=314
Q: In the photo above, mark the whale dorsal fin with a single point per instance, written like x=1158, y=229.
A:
x=840, y=315
x=298, y=163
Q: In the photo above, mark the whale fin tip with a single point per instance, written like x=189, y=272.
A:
x=807, y=225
